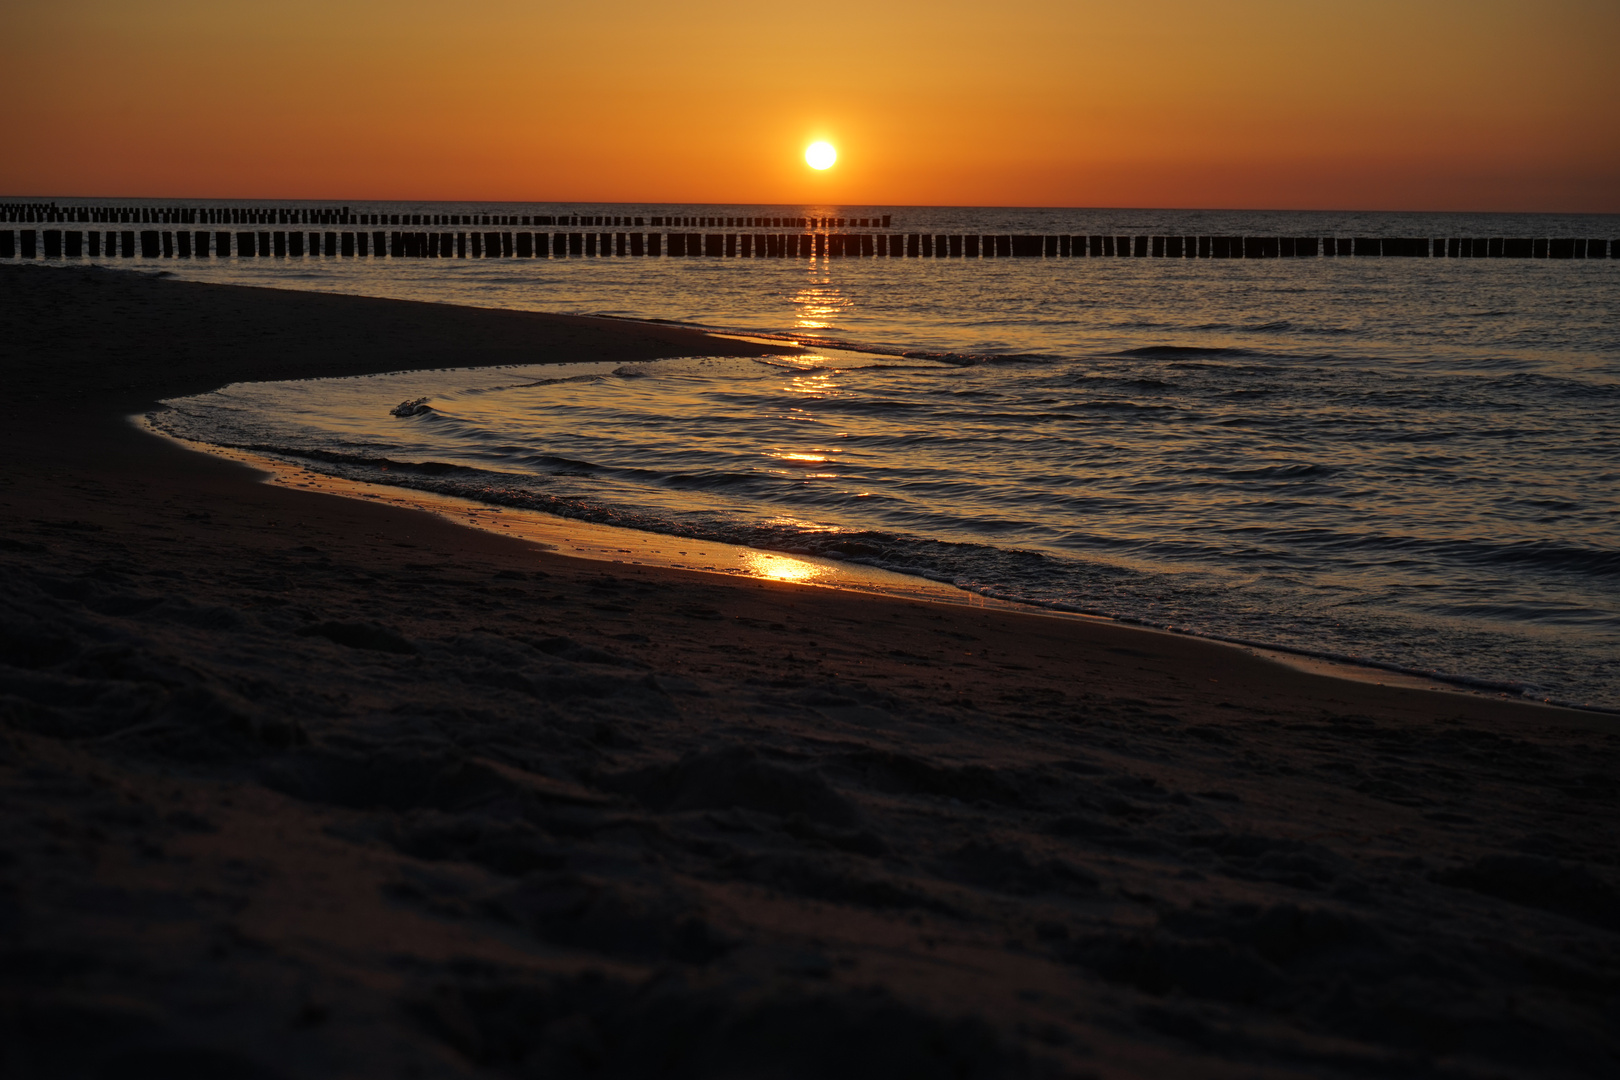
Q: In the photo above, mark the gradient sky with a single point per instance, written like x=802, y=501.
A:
x=1330, y=104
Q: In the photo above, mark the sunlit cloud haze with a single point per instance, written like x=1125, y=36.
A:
x=1378, y=104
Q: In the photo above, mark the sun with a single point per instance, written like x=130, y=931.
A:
x=820, y=155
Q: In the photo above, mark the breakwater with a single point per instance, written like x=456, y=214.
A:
x=53, y=232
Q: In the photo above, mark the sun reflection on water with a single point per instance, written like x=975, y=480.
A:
x=805, y=460
x=818, y=384
x=780, y=567
x=818, y=302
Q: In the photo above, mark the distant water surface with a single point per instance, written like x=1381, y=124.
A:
x=1408, y=460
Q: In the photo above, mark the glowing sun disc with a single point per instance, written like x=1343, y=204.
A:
x=820, y=155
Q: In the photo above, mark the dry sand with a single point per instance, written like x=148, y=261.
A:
x=298, y=786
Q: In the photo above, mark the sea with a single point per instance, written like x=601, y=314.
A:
x=1411, y=462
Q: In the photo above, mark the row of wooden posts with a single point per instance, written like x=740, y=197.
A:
x=189, y=244
x=49, y=213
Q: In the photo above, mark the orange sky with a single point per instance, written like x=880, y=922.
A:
x=1417, y=104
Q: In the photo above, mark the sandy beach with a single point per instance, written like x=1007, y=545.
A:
x=301, y=786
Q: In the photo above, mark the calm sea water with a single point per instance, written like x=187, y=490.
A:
x=1413, y=461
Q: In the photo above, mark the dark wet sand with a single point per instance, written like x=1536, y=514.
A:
x=299, y=786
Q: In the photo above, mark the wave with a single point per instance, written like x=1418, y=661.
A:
x=803, y=340
x=953, y=563
x=1174, y=352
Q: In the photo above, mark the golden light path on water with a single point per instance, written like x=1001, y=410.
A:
x=819, y=304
